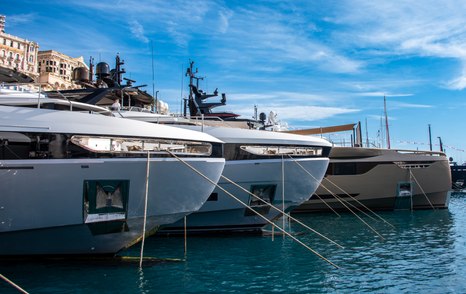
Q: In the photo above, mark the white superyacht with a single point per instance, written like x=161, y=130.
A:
x=75, y=184
x=284, y=170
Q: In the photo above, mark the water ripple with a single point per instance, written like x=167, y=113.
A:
x=424, y=253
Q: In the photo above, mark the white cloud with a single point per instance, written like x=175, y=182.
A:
x=280, y=97
x=138, y=31
x=382, y=94
x=250, y=96
x=224, y=20
x=405, y=28
x=312, y=113
x=458, y=83
x=20, y=19
x=300, y=113
x=270, y=35
x=397, y=104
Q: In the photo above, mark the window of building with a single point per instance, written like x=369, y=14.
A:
x=31, y=58
x=31, y=48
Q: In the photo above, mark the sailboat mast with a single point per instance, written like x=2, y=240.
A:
x=367, y=136
x=386, y=121
x=430, y=139
x=154, y=108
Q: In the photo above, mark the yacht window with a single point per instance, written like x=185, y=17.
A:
x=413, y=164
x=283, y=150
x=351, y=168
x=133, y=145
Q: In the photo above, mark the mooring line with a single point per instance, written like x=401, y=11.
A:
x=335, y=195
x=425, y=195
x=360, y=203
x=279, y=210
x=13, y=284
x=355, y=214
x=356, y=200
x=339, y=198
x=258, y=214
x=185, y=237
x=283, y=193
x=145, y=209
x=328, y=205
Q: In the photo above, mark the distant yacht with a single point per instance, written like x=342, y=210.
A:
x=382, y=179
x=74, y=183
x=458, y=176
x=20, y=95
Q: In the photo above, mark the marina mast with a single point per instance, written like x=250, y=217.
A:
x=386, y=121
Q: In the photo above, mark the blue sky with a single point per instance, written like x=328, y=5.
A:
x=314, y=62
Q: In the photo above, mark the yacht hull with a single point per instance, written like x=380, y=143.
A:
x=44, y=204
x=226, y=214
x=427, y=176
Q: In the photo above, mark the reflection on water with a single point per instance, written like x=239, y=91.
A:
x=425, y=252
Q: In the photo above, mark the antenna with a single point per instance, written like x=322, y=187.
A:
x=430, y=139
x=367, y=136
x=440, y=143
x=118, y=69
x=386, y=121
x=91, y=69
x=153, y=77
x=181, y=92
x=190, y=73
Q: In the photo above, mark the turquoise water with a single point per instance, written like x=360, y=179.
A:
x=424, y=253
